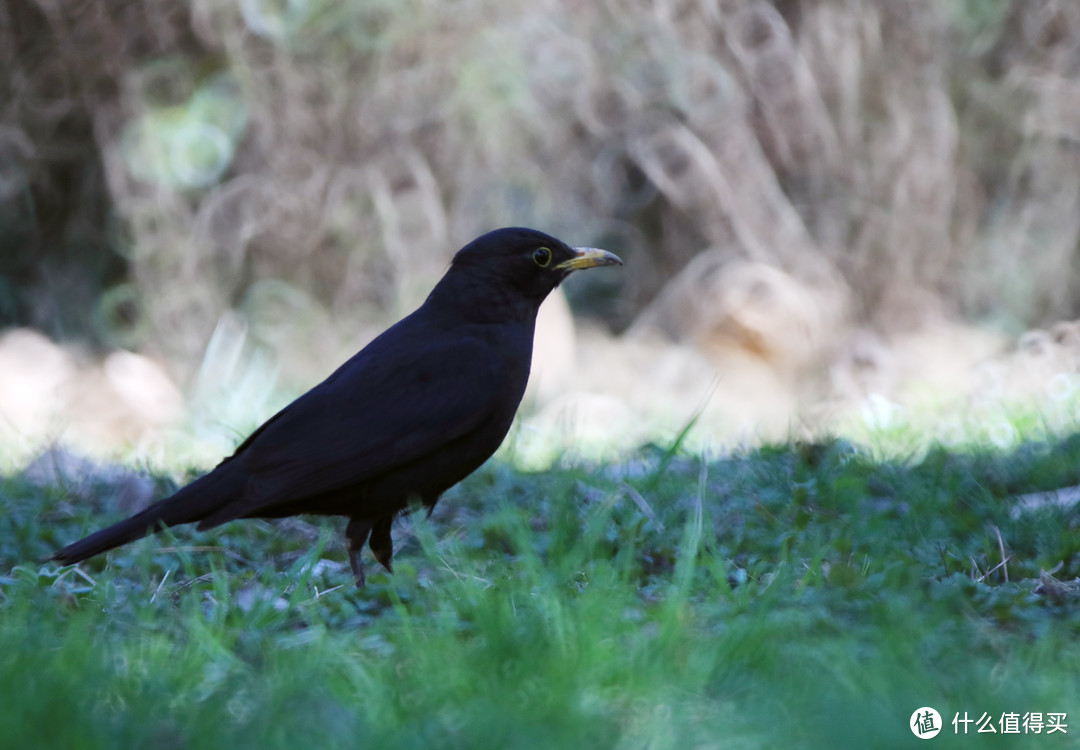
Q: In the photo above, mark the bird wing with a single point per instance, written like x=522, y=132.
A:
x=394, y=402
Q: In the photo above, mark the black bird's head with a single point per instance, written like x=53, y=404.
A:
x=524, y=263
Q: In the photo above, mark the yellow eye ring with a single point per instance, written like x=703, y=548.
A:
x=542, y=256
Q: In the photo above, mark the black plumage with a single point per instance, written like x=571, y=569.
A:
x=414, y=412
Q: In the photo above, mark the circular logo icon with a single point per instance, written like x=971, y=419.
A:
x=925, y=723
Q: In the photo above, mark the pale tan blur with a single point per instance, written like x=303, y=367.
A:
x=831, y=213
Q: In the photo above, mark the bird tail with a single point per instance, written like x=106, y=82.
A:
x=189, y=504
x=133, y=528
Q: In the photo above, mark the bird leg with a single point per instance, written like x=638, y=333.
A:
x=356, y=533
x=382, y=546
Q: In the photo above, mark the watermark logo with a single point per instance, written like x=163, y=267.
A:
x=925, y=723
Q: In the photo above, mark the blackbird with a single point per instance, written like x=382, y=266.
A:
x=414, y=412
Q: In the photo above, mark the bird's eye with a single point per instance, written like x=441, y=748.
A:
x=542, y=256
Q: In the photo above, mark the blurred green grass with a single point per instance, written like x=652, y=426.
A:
x=796, y=595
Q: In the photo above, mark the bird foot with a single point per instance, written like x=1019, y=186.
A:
x=357, y=569
x=356, y=533
x=382, y=546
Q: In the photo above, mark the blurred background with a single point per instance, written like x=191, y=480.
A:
x=842, y=215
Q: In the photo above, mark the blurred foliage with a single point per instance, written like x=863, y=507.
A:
x=161, y=161
x=798, y=595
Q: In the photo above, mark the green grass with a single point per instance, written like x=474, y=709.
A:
x=792, y=596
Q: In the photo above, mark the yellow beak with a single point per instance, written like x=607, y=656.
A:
x=588, y=257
